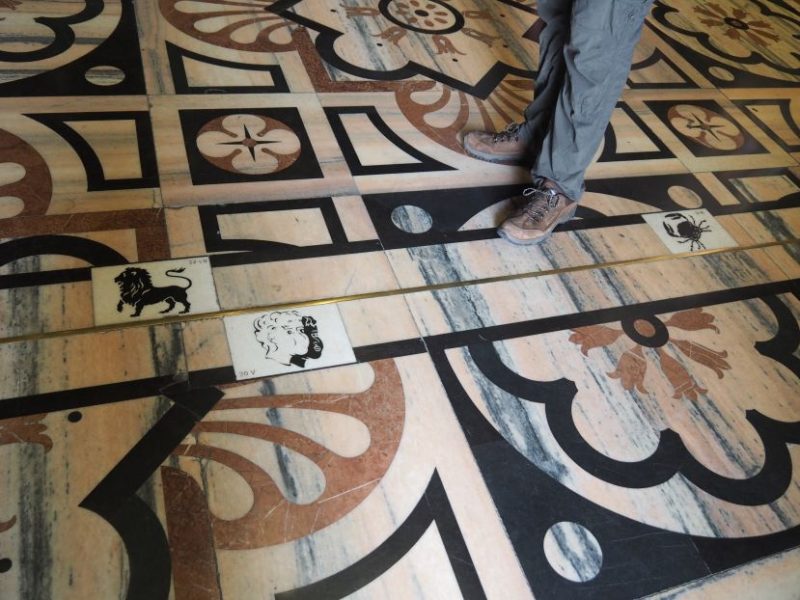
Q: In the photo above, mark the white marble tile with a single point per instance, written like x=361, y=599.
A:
x=149, y=290
x=273, y=343
x=689, y=230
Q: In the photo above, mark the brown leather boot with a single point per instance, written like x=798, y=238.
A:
x=509, y=145
x=536, y=218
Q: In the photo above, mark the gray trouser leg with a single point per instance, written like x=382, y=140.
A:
x=556, y=15
x=585, y=80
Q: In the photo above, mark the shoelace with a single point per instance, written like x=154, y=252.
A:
x=511, y=130
x=541, y=202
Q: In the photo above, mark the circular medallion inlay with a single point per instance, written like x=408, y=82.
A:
x=248, y=144
x=422, y=16
x=705, y=127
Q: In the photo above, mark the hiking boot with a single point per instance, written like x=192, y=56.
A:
x=535, y=220
x=509, y=145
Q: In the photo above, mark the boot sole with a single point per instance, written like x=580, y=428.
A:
x=534, y=241
x=498, y=161
x=519, y=242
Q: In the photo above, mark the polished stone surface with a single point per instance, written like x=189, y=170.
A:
x=334, y=380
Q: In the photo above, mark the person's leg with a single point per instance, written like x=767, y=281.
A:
x=556, y=16
x=520, y=142
x=597, y=57
x=597, y=60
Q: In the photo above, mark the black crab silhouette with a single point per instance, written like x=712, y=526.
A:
x=686, y=229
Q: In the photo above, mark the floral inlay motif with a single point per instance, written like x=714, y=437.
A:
x=23, y=430
x=755, y=37
x=652, y=333
x=443, y=113
x=737, y=23
x=236, y=24
x=12, y=4
x=275, y=514
x=706, y=127
x=249, y=144
x=422, y=16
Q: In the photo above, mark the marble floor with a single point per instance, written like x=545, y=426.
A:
x=259, y=338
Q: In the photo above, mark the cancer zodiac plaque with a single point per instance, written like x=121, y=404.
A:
x=153, y=290
x=278, y=342
x=689, y=230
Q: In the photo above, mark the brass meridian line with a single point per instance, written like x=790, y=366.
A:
x=394, y=292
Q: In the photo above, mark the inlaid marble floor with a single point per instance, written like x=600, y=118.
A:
x=259, y=339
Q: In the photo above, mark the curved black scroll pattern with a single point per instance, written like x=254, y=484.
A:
x=63, y=35
x=115, y=500
x=94, y=253
x=120, y=50
x=671, y=456
x=781, y=347
x=558, y=396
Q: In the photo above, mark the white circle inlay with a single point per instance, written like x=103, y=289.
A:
x=105, y=75
x=412, y=219
x=573, y=552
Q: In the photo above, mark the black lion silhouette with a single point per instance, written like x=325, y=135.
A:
x=136, y=288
